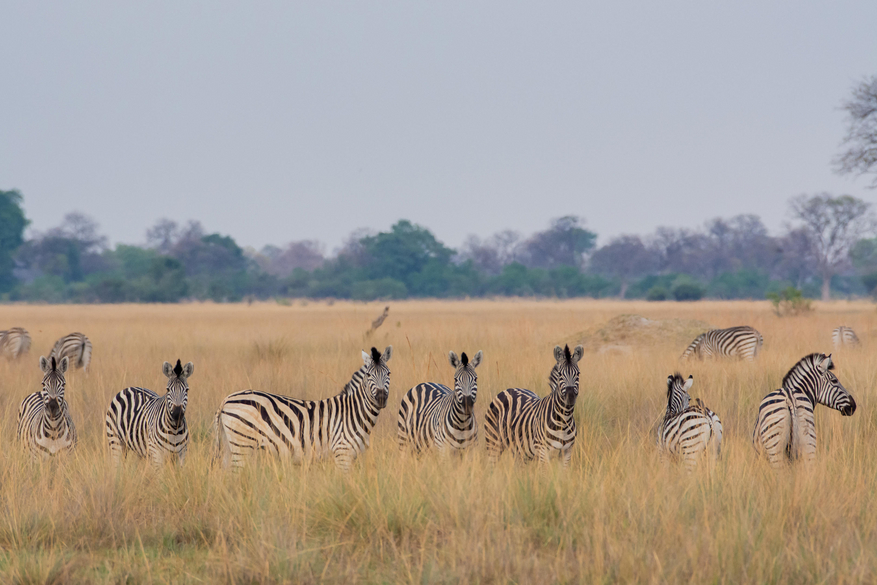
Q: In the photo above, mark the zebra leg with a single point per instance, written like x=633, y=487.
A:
x=116, y=447
x=344, y=458
x=567, y=455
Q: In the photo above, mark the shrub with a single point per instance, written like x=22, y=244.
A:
x=688, y=291
x=789, y=301
x=657, y=293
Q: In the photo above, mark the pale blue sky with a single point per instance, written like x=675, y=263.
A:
x=274, y=122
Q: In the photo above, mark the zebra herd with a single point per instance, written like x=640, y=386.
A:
x=431, y=416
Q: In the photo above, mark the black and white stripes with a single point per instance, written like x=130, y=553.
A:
x=688, y=431
x=150, y=425
x=305, y=430
x=785, y=429
x=434, y=416
x=741, y=342
x=844, y=335
x=75, y=346
x=45, y=427
x=533, y=427
x=14, y=342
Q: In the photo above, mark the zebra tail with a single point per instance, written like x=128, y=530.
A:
x=221, y=446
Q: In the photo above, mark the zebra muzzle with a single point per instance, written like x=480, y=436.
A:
x=468, y=404
x=177, y=413
x=849, y=409
x=53, y=407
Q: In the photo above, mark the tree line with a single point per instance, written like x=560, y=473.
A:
x=828, y=249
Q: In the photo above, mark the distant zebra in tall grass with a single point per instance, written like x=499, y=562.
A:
x=533, y=427
x=305, y=430
x=75, y=346
x=150, y=425
x=844, y=335
x=45, y=426
x=785, y=429
x=742, y=342
x=688, y=431
x=433, y=415
x=14, y=342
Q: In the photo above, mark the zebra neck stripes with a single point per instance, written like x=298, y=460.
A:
x=45, y=426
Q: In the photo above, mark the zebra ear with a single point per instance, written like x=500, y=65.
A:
x=366, y=358
x=455, y=361
x=577, y=354
x=44, y=364
x=63, y=365
x=558, y=353
x=688, y=383
x=826, y=363
x=388, y=353
x=188, y=370
x=167, y=369
x=476, y=359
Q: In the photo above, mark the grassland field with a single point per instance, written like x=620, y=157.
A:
x=615, y=515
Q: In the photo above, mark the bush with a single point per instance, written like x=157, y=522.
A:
x=790, y=301
x=657, y=293
x=688, y=291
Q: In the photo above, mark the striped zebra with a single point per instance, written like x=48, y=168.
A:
x=844, y=335
x=150, y=425
x=14, y=342
x=743, y=342
x=533, y=427
x=75, y=346
x=45, y=426
x=433, y=415
x=785, y=429
x=688, y=431
x=305, y=430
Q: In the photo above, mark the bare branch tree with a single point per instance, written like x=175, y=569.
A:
x=860, y=157
x=833, y=225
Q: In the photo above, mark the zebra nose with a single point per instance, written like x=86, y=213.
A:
x=468, y=403
x=849, y=409
x=53, y=406
x=177, y=413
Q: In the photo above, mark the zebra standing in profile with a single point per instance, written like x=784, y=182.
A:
x=150, y=425
x=14, y=342
x=533, y=427
x=45, y=426
x=742, y=342
x=75, y=346
x=433, y=415
x=844, y=335
x=688, y=431
x=306, y=430
x=785, y=429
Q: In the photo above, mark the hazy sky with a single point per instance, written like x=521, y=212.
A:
x=272, y=122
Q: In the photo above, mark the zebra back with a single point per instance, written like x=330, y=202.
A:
x=75, y=346
x=432, y=415
x=844, y=335
x=305, y=430
x=14, y=342
x=536, y=427
x=688, y=430
x=45, y=426
x=152, y=426
x=785, y=428
x=743, y=342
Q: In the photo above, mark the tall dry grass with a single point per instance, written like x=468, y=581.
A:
x=616, y=515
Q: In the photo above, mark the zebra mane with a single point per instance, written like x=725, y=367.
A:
x=803, y=362
x=376, y=355
x=178, y=369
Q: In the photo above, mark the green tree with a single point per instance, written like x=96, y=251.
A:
x=12, y=224
x=405, y=252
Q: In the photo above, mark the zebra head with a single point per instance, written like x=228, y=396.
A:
x=377, y=375
x=677, y=393
x=177, y=396
x=53, y=384
x=565, y=375
x=815, y=375
x=465, y=379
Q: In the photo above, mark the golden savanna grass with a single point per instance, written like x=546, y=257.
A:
x=616, y=515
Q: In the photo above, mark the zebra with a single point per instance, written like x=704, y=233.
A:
x=14, y=342
x=844, y=335
x=433, y=415
x=150, y=425
x=305, y=430
x=688, y=431
x=75, y=346
x=785, y=429
x=743, y=342
x=45, y=426
x=536, y=427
